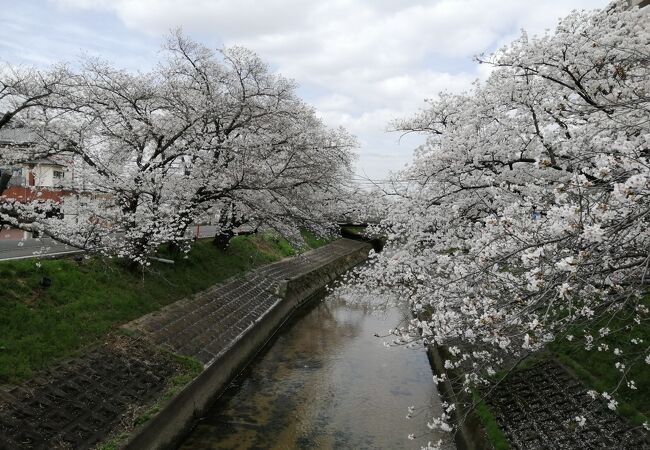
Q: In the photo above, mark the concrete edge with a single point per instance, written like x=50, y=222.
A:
x=469, y=434
x=179, y=414
x=44, y=255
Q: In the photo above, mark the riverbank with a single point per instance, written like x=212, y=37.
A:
x=88, y=298
x=134, y=375
x=225, y=327
x=328, y=382
x=551, y=387
x=537, y=404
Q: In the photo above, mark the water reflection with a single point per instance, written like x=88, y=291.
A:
x=326, y=382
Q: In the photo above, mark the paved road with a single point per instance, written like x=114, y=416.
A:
x=205, y=231
x=32, y=248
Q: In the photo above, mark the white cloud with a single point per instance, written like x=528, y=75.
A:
x=360, y=63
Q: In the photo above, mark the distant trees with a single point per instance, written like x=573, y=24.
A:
x=528, y=209
x=203, y=131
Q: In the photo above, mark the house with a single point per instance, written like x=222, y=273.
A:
x=44, y=173
x=39, y=179
x=14, y=139
x=42, y=178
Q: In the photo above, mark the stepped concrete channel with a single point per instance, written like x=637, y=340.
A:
x=83, y=401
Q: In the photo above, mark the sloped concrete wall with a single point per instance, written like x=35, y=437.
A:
x=292, y=283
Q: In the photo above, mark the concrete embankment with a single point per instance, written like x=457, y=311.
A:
x=99, y=395
x=469, y=434
x=225, y=327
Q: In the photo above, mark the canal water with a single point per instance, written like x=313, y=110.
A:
x=327, y=382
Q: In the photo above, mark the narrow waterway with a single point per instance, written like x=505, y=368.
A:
x=326, y=382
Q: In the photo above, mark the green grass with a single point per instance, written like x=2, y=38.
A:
x=494, y=433
x=596, y=368
x=189, y=370
x=312, y=240
x=87, y=300
x=113, y=443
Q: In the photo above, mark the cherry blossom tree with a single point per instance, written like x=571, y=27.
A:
x=526, y=212
x=267, y=161
x=152, y=152
x=23, y=92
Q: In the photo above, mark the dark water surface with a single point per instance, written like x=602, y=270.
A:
x=326, y=382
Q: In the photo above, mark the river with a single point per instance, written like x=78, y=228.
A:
x=327, y=382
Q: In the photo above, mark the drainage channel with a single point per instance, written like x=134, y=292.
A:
x=326, y=382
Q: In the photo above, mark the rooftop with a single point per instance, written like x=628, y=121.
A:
x=16, y=136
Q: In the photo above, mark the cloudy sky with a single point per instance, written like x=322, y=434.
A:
x=360, y=63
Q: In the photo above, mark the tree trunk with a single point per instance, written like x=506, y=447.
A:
x=222, y=239
x=174, y=249
x=4, y=181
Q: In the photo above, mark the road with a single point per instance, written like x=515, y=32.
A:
x=33, y=248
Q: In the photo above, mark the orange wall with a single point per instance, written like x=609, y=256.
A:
x=26, y=194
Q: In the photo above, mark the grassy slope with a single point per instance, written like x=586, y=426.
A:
x=89, y=299
x=314, y=241
x=492, y=430
x=596, y=369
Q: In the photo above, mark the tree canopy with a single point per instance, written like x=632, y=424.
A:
x=203, y=132
x=526, y=212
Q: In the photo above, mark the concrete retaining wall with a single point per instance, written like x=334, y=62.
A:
x=178, y=415
x=469, y=434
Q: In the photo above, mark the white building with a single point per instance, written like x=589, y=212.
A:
x=39, y=173
x=45, y=173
